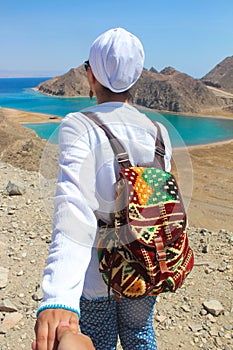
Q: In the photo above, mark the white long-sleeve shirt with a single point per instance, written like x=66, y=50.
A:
x=86, y=192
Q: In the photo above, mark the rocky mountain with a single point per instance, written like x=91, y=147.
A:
x=221, y=76
x=171, y=90
x=73, y=83
x=168, y=90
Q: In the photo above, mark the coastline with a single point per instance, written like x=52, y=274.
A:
x=57, y=96
x=209, y=113
x=25, y=117
x=21, y=116
x=218, y=114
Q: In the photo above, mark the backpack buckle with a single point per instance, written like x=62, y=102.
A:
x=160, y=151
x=161, y=255
x=122, y=157
x=117, y=292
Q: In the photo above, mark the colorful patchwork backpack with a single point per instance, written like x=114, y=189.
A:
x=146, y=251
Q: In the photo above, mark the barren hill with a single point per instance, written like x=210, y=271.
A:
x=73, y=83
x=171, y=90
x=221, y=76
x=21, y=147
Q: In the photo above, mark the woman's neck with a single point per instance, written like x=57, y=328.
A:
x=114, y=98
x=105, y=95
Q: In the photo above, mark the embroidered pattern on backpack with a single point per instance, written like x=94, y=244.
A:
x=151, y=208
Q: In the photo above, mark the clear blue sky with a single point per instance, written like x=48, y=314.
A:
x=46, y=37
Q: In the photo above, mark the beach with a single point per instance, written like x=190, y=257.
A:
x=29, y=117
x=211, y=204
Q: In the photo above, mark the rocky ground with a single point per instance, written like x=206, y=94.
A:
x=198, y=316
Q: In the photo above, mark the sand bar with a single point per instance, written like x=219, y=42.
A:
x=29, y=117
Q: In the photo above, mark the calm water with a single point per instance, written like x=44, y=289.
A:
x=17, y=93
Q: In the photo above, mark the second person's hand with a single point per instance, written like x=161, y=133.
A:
x=70, y=341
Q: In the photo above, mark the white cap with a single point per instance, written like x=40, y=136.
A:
x=116, y=59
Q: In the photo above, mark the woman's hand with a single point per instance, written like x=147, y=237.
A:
x=46, y=327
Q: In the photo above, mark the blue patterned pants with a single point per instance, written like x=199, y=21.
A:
x=132, y=320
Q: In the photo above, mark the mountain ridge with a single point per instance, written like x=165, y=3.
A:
x=168, y=90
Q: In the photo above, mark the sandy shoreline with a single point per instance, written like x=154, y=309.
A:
x=215, y=113
x=34, y=118
x=206, y=173
x=29, y=117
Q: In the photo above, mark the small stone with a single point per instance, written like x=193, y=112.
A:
x=212, y=266
x=222, y=267
x=203, y=312
x=38, y=296
x=2, y=330
x=20, y=273
x=160, y=318
x=213, y=332
x=10, y=321
x=211, y=318
x=14, y=189
x=7, y=306
x=228, y=327
x=44, y=237
x=228, y=347
x=214, y=307
x=205, y=249
x=10, y=212
x=221, y=334
x=195, y=327
x=218, y=342
x=204, y=231
x=228, y=335
x=33, y=235
x=186, y=308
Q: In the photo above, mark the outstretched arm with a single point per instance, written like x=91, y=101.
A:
x=74, y=230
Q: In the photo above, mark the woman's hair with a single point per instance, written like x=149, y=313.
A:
x=107, y=92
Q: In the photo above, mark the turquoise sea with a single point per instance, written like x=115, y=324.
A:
x=18, y=93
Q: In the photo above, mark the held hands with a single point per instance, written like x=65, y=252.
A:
x=47, y=325
x=67, y=340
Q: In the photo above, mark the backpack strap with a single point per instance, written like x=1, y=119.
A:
x=119, y=151
x=159, y=147
x=121, y=155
